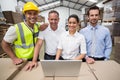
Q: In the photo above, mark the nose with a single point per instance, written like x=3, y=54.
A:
x=53, y=21
x=71, y=24
x=33, y=15
x=94, y=16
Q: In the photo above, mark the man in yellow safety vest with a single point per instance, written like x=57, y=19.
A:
x=23, y=35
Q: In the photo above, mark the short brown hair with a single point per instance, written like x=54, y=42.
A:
x=93, y=8
x=53, y=11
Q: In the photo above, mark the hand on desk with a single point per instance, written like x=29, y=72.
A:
x=31, y=65
x=17, y=61
x=90, y=60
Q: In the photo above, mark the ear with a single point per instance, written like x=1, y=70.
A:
x=87, y=18
x=48, y=19
x=79, y=23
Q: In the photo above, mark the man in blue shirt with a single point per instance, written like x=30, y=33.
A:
x=98, y=39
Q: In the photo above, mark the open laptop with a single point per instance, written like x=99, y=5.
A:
x=61, y=67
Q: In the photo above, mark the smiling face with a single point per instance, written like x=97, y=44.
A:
x=53, y=20
x=72, y=24
x=31, y=17
x=93, y=17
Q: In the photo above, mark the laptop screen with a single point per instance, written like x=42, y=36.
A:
x=61, y=67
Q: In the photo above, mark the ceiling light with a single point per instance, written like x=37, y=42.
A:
x=95, y=1
x=100, y=5
x=49, y=5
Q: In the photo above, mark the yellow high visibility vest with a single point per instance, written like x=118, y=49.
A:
x=26, y=39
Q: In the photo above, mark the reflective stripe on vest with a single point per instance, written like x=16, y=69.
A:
x=23, y=39
x=24, y=44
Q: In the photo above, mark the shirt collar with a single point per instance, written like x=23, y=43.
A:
x=31, y=29
x=91, y=27
x=75, y=34
x=49, y=28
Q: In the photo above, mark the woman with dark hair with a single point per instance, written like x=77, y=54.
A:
x=71, y=44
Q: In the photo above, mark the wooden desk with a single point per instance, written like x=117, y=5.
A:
x=85, y=73
x=106, y=70
x=35, y=74
x=6, y=68
x=101, y=70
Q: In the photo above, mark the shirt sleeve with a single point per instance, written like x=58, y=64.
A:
x=60, y=43
x=108, y=45
x=41, y=35
x=83, y=45
x=10, y=35
x=81, y=31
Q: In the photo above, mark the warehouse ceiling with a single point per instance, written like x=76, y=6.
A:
x=72, y=4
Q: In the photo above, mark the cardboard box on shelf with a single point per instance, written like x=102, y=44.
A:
x=41, y=18
x=117, y=40
x=12, y=17
x=117, y=52
x=2, y=19
x=116, y=2
x=1, y=50
x=116, y=29
x=3, y=29
x=116, y=8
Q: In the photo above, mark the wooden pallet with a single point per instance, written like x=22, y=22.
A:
x=3, y=29
x=3, y=55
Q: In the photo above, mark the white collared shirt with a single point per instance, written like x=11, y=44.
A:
x=51, y=39
x=70, y=45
